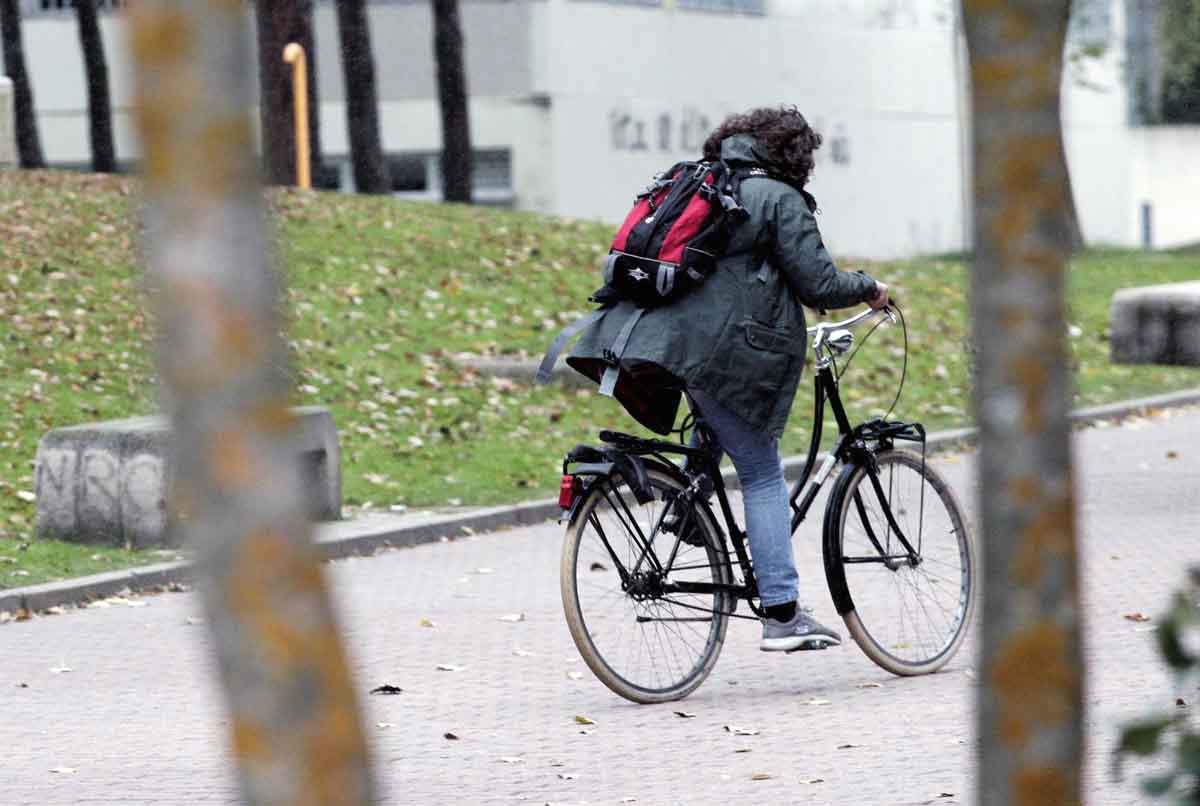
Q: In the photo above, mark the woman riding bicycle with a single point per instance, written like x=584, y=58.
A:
x=736, y=345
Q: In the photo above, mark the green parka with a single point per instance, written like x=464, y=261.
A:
x=740, y=336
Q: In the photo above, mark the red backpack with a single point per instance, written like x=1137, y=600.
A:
x=679, y=226
x=669, y=244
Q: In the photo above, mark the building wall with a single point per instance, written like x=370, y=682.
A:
x=1167, y=173
x=591, y=97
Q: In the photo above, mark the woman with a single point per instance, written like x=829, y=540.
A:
x=737, y=345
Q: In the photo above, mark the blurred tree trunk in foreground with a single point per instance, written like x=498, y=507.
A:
x=362, y=104
x=281, y=22
x=236, y=493
x=95, y=66
x=29, y=146
x=1031, y=681
x=452, y=96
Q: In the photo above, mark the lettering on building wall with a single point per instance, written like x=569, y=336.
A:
x=687, y=129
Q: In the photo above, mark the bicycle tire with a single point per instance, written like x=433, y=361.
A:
x=613, y=643
x=875, y=600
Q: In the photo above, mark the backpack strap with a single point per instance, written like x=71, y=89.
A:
x=608, y=383
x=546, y=368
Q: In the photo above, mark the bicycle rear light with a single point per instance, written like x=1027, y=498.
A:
x=566, y=491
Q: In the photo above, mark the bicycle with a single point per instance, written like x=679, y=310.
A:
x=649, y=583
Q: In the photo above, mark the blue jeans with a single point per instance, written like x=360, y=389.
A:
x=765, y=496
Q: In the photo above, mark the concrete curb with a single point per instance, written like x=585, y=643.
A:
x=368, y=540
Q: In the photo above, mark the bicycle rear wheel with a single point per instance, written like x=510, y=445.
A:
x=908, y=612
x=642, y=638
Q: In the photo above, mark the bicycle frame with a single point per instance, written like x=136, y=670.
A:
x=851, y=447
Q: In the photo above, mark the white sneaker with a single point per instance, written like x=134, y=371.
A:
x=802, y=632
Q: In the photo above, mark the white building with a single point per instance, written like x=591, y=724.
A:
x=576, y=103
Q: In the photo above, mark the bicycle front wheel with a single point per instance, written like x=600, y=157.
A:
x=648, y=611
x=907, y=595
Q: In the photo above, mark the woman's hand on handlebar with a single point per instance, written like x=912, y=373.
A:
x=880, y=300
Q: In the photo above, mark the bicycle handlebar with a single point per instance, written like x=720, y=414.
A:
x=851, y=322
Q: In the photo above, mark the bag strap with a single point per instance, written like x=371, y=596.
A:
x=608, y=383
x=546, y=368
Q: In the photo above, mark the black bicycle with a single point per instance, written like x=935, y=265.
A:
x=649, y=581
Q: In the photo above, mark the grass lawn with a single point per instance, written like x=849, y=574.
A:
x=381, y=296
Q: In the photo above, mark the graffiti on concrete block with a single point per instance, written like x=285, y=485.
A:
x=92, y=490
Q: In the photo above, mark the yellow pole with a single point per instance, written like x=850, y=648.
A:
x=293, y=54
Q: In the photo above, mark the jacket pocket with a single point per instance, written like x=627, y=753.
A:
x=768, y=339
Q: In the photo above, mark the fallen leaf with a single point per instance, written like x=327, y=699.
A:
x=1138, y=617
x=848, y=746
x=1180, y=702
x=583, y=720
x=736, y=731
x=597, y=567
x=812, y=780
x=512, y=618
x=1170, y=455
x=685, y=715
x=386, y=689
x=870, y=685
x=450, y=667
x=451, y=736
x=760, y=776
x=428, y=622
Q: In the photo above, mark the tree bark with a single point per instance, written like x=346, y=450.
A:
x=281, y=22
x=452, y=95
x=95, y=65
x=29, y=145
x=1031, y=684
x=362, y=104
x=293, y=715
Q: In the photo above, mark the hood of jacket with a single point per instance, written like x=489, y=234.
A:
x=743, y=148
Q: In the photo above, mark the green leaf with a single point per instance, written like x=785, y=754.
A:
x=1141, y=738
x=1189, y=753
x=1157, y=785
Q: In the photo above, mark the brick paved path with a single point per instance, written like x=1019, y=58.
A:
x=137, y=719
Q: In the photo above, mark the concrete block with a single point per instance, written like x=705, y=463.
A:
x=1158, y=324
x=107, y=483
x=8, y=125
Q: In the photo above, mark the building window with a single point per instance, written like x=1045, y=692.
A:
x=757, y=7
x=31, y=8
x=419, y=177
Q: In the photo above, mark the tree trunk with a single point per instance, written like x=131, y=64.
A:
x=281, y=22
x=362, y=105
x=452, y=95
x=104, y=153
x=1030, y=690
x=29, y=145
x=293, y=715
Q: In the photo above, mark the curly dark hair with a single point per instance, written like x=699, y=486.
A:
x=783, y=134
